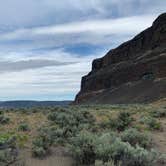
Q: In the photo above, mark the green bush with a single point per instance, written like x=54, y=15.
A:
x=134, y=137
x=153, y=124
x=8, y=150
x=60, y=136
x=69, y=123
x=1, y=112
x=103, y=146
x=123, y=121
x=23, y=127
x=39, y=152
x=22, y=139
x=4, y=119
x=162, y=159
x=87, y=148
x=6, y=139
x=83, y=148
x=124, y=153
x=41, y=145
x=59, y=118
x=67, y=117
x=161, y=113
x=49, y=136
x=57, y=135
x=140, y=157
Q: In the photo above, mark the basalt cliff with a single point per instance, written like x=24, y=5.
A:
x=134, y=72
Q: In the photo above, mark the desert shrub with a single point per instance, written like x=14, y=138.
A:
x=70, y=123
x=161, y=113
x=59, y=118
x=106, y=124
x=124, y=153
x=39, y=151
x=95, y=128
x=57, y=135
x=123, y=120
x=22, y=139
x=1, y=112
x=162, y=159
x=41, y=145
x=88, y=148
x=6, y=157
x=134, y=137
x=24, y=111
x=8, y=150
x=23, y=127
x=151, y=123
x=62, y=117
x=83, y=148
x=6, y=139
x=49, y=136
x=104, y=146
x=143, y=119
x=4, y=119
x=140, y=157
x=69, y=132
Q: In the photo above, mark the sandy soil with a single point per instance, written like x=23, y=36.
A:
x=58, y=157
x=159, y=138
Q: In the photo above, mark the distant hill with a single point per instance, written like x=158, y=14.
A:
x=28, y=103
x=134, y=72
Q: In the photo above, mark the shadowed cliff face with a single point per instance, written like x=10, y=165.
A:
x=133, y=72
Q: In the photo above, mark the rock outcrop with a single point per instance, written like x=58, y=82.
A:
x=134, y=72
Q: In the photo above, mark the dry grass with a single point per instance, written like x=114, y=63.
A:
x=34, y=121
x=101, y=114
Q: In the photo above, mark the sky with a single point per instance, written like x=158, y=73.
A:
x=46, y=46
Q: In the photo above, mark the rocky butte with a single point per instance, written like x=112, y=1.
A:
x=134, y=72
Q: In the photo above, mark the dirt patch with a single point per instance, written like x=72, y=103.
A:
x=58, y=157
x=159, y=138
x=50, y=161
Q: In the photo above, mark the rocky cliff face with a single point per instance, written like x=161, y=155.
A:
x=133, y=72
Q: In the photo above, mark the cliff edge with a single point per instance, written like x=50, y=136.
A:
x=134, y=72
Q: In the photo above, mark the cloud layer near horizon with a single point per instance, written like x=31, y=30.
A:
x=47, y=46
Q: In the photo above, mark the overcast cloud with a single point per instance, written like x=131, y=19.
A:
x=46, y=46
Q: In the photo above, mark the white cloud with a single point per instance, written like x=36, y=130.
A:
x=48, y=81
x=22, y=13
x=121, y=26
x=104, y=32
x=10, y=66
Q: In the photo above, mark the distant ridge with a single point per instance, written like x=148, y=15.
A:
x=31, y=103
x=134, y=72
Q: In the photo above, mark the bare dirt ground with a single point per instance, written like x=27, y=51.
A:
x=50, y=161
x=58, y=157
x=159, y=138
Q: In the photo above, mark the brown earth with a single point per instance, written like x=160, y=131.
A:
x=56, y=158
x=159, y=137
